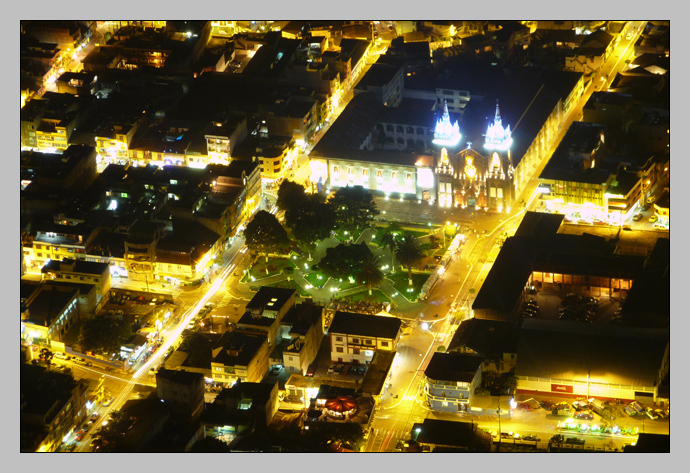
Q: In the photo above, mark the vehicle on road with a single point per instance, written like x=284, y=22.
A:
x=310, y=371
x=80, y=435
x=107, y=401
x=531, y=438
x=653, y=218
x=637, y=217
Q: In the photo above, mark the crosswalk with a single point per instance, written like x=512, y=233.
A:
x=385, y=440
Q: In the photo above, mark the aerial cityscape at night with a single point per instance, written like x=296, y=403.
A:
x=345, y=236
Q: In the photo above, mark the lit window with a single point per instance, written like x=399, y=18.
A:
x=335, y=169
x=409, y=177
x=365, y=172
x=349, y=170
x=394, y=175
x=379, y=174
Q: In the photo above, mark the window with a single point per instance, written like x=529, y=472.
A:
x=349, y=170
x=394, y=175
x=379, y=173
x=339, y=349
x=365, y=172
x=384, y=344
x=368, y=342
x=335, y=169
x=409, y=176
x=338, y=339
x=355, y=351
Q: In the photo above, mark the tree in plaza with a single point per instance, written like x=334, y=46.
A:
x=354, y=208
x=264, y=234
x=370, y=272
x=390, y=238
x=290, y=195
x=409, y=252
x=103, y=334
x=310, y=221
x=343, y=260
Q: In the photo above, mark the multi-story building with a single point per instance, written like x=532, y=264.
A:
x=241, y=410
x=265, y=312
x=451, y=379
x=223, y=135
x=355, y=337
x=49, y=313
x=182, y=391
x=240, y=356
x=51, y=406
x=78, y=271
x=55, y=242
x=303, y=328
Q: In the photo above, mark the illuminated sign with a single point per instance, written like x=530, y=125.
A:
x=561, y=388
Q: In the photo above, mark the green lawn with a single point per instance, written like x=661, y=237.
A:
x=401, y=284
x=380, y=231
x=344, y=237
x=314, y=280
x=275, y=266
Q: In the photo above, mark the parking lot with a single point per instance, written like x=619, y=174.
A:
x=550, y=304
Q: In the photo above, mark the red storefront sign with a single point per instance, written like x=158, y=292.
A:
x=561, y=388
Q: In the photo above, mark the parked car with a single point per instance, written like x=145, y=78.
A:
x=331, y=368
x=339, y=367
x=584, y=415
x=345, y=370
x=653, y=218
x=548, y=405
x=95, y=415
x=275, y=370
x=651, y=414
x=108, y=401
x=637, y=217
x=80, y=435
x=310, y=371
x=531, y=438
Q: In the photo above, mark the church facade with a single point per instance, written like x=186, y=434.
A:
x=468, y=178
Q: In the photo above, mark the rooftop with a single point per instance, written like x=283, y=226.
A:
x=453, y=367
x=606, y=353
x=365, y=325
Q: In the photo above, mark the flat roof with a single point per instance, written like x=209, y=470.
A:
x=453, y=367
x=606, y=353
x=264, y=298
x=351, y=323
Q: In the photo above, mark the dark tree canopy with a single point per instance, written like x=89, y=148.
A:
x=264, y=234
x=103, y=334
x=354, y=207
x=199, y=348
x=311, y=221
x=370, y=272
x=290, y=195
x=344, y=260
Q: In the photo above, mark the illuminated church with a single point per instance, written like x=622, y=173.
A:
x=443, y=175
x=468, y=178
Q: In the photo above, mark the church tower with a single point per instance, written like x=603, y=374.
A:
x=446, y=135
x=499, y=170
